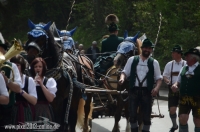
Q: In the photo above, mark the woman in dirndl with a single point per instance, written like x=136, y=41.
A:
x=46, y=89
x=27, y=96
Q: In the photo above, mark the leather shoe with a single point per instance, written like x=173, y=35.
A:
x=173, y=129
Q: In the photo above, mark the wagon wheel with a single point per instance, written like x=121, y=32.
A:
x=112, y=81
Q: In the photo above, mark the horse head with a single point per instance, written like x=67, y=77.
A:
x=41, y=43
x=66, y=38
x=126, y=49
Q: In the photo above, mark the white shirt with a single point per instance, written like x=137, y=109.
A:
x=3, y=89
x=176, y=68
x=17, y=77
x=190, y=71
x=31, y=86
x=142, y=69
x=51, y=85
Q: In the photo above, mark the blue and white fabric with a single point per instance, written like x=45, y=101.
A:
x=125, y=47
x=68, y=44
x=38, y=31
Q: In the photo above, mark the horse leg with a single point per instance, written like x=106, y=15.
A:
x=73, y=114
x=118, y=115
x=87, y=109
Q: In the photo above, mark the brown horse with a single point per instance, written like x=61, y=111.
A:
x=63, y=69
x=122, y=100
x=87, y=78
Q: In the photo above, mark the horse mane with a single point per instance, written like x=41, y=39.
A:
x=51, y=52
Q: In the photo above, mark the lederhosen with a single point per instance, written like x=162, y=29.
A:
x=22, y=109
x=190, y=92
x=140, y=96
x=43, y=107
x=6, y=111
x=173, y=98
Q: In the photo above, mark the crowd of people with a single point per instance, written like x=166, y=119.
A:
x=27, y=97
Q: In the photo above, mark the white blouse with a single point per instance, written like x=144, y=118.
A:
x=51, y=85
x=17, y=77
x=31, y=86
x=3, y=89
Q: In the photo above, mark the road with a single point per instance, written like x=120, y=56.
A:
x=105, y=124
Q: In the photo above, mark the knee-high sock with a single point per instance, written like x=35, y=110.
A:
x=183, y=128
x=173, y=118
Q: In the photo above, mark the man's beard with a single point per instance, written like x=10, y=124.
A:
x=146, y=54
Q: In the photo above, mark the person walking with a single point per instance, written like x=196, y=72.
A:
x=170, y=75
x=46, y=89
x=188, y=84
x=143, y=71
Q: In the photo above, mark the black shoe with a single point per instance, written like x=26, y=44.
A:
x=173, y=129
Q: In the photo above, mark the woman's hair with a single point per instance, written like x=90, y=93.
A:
x=19, y=60
x=34, y=62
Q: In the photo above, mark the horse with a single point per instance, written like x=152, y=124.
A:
x=129, y=47
x=63, y=69
x=85, y=75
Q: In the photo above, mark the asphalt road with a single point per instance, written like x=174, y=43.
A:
x=105, y=124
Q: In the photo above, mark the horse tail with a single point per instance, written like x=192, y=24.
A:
x=81, y=113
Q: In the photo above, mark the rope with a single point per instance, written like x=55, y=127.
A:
x=158, y=28
x=70, y=14
x=157, y=33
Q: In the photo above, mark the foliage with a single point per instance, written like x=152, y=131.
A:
x=180, y=20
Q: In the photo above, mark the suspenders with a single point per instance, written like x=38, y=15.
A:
x=174, y=73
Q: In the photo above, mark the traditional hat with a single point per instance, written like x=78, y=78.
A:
x=2, y=42
x=147, y=43
x=112, y=21
x=177, y=48
x=194, y=51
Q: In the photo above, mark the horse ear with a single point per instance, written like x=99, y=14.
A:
x=31, y=24
x=72, y=31
x=46, y=27
x=135, y=37
x=125, y=34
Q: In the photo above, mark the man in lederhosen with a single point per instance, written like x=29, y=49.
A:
x=143, y=71
x=170, y=75
x=14, y=86
x=189, y=89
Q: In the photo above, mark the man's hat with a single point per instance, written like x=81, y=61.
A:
x=2, y=42
x=112, y=21
x=177, y=48
x=147, y=43
x=194, y=51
